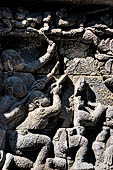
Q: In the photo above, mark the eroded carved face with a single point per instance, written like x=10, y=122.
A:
x=21, y=13
x=5, y=13
x=80, y=86
x=12, y=60
x=15, y=86
x=36, y=100
x=109, y=116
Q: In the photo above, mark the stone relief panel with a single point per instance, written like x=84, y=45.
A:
x=56, y=89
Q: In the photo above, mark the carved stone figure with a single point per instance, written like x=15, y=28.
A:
x=13, y=105
x=103, y=144
x=24, y=19
x=104, y=55
x=15, y=90
x=66, y=141
x=47, y=123
x=5, y=23
x=26, y=143
x=83, y=115
x=12, y=60
x=37, y=118
x=40, y=111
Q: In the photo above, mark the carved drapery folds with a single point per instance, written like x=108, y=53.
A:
x=56, y=89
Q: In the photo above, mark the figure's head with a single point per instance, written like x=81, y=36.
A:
x=106, y=19
x=21, y=13
x=15, y=86
x=80, y=86
x=12, y=60
x=37, y=99
x=5, y=13
x=62, y=13
x=109, y=116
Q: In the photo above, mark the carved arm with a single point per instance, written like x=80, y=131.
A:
x=102, y=136
x=55, y=108
x=40, y=84
x=37, y=64
x=9, y=116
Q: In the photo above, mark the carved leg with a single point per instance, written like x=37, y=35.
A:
x=41, y=158
x=81, y=153
x=108, y=159
x=81, y=142
x=99, y=148
x=81, y=118
x=9, y=159
x=23, y=163
x=20, y=162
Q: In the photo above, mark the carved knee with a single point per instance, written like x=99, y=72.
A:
x=56, y=163
x=47, y=141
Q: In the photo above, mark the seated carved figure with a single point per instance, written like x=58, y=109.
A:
x=67, y=143
x=103, y=145
x=13, y=112
x=12, y=61
x=87, y=113
x=22, y=140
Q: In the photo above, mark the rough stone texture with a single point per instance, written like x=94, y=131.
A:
x=98, y=91
x=56, y=85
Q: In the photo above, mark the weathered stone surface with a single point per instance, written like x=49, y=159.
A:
x=100, y=92
x=56, y=86
x=79, y=66
x=71, y=49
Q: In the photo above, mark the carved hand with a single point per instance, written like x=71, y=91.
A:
x=50, y=47
x=56, y=89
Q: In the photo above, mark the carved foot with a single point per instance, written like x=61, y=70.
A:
x=82, y=166
x=59, y=163
x=9, y=158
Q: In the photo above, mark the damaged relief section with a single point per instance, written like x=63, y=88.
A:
x=56, y=85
